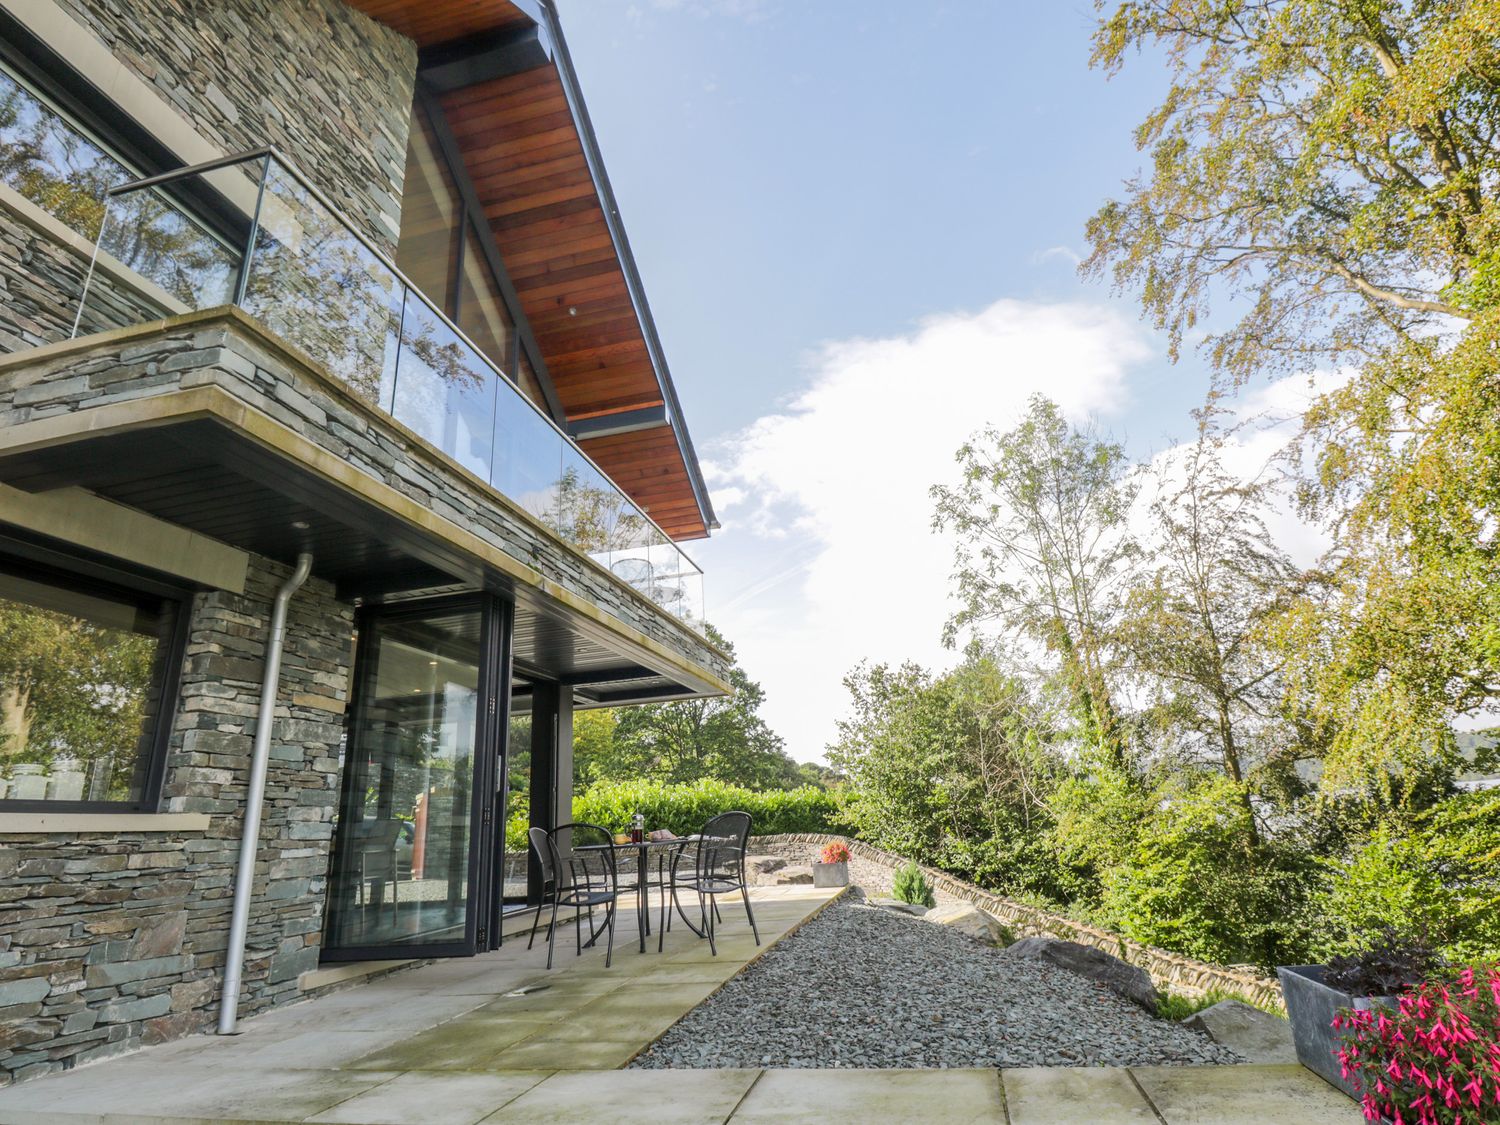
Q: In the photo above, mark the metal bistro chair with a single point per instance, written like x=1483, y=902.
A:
x=718, y=858
x=578, y=864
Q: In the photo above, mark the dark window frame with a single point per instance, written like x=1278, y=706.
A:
x=86, y=574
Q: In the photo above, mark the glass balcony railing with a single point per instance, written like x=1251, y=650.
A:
x=249, y=230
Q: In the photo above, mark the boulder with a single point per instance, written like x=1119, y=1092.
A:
x=967, y=919
x=757, y=867
x=896, y=904
x=790, y=873
x=1127, y=980
x=1254, y=1035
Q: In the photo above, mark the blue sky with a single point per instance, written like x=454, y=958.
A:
x=857, y=222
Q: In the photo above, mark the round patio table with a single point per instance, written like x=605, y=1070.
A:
x=643, y=852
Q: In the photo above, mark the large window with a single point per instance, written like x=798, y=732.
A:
x=442, y=252
x=85, y=690
x=50, y=161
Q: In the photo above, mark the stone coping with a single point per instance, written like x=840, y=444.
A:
x=83, y=823
x=1169, y=970
x=213, y=401
x=261, y=336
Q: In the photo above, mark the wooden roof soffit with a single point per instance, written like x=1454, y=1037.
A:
x=502, y=76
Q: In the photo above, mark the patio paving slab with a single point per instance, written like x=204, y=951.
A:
x=1069, y=1095
x=431, y=1099
x=629, y=1095
x=862, y=1097
x=1284, y=1093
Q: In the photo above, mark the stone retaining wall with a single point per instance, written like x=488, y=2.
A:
x=874, y=867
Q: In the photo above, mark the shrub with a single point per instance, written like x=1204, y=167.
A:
x=1436, y=1059
x=685, y=808
x=1435, y=874
x=910, y=885
x=836, y=852
x=1389, y=962
x=1199, y=881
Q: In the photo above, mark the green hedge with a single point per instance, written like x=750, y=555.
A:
x=685, y=808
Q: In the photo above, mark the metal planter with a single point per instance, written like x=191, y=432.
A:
x=1311, y=1006
x=830, y=874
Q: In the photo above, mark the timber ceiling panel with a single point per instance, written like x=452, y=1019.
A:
x=524, y=152
x=437, y=21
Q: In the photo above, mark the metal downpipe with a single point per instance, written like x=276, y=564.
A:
x=260, y=756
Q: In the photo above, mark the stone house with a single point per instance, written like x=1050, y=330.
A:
x=339, y=464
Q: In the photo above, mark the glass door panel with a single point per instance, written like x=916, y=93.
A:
x=405, y=848
x=517, y=775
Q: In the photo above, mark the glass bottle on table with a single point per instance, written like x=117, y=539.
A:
x=638, y=829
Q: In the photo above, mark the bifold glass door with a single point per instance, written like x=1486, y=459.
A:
x=414, y=844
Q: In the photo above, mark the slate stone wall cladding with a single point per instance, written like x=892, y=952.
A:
x=223, y=351
x=111, y=942
x=330, y=87
x=327, y=85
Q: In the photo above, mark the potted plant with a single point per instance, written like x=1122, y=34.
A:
x=1364, y=981
x=1435, y=1058
x=831, y=869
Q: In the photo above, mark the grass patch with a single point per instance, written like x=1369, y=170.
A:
x=1175, y=1006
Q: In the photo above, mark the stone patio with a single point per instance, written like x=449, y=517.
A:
x=465, y=1041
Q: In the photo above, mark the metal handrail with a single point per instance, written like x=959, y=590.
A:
x=271, y=152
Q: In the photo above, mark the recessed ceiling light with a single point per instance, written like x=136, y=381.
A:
x=572, y=310
x=300, y=525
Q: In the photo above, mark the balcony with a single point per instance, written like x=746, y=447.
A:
x=250, y=231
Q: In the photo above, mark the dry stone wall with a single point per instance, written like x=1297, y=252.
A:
x=874, y=868
x=112, y=942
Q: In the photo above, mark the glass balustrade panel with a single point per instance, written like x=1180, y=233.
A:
x=185, y=237
x=444, y=390
x=528, y=457
x=315, y=284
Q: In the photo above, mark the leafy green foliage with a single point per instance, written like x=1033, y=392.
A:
x=1201, y=881
x=685, y=808
x=910, y=885
x=722, y=739
x=1177, y=1007
x=1039, y=513
x=1437, y=874
x=949, y=770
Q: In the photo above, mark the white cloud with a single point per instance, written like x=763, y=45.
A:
x=827, y=555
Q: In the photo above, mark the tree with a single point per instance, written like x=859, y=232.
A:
x=952, y=770
x=1194, y=623
x=70, y=687
x=1042, y=548
x=723, y=738
x=1329, y=169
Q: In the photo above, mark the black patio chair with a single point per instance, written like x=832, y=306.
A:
x=578, y=870
x=718, y=868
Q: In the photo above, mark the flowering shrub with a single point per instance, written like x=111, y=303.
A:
x=1435, y=1060
x=836, y=852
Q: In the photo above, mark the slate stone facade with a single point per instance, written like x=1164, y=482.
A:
x=110, y=942
x=328, y=86
x=225, y=348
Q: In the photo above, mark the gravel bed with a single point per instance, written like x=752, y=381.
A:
x=859, y=986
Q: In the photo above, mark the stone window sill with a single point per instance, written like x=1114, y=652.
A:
x=77, y=823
